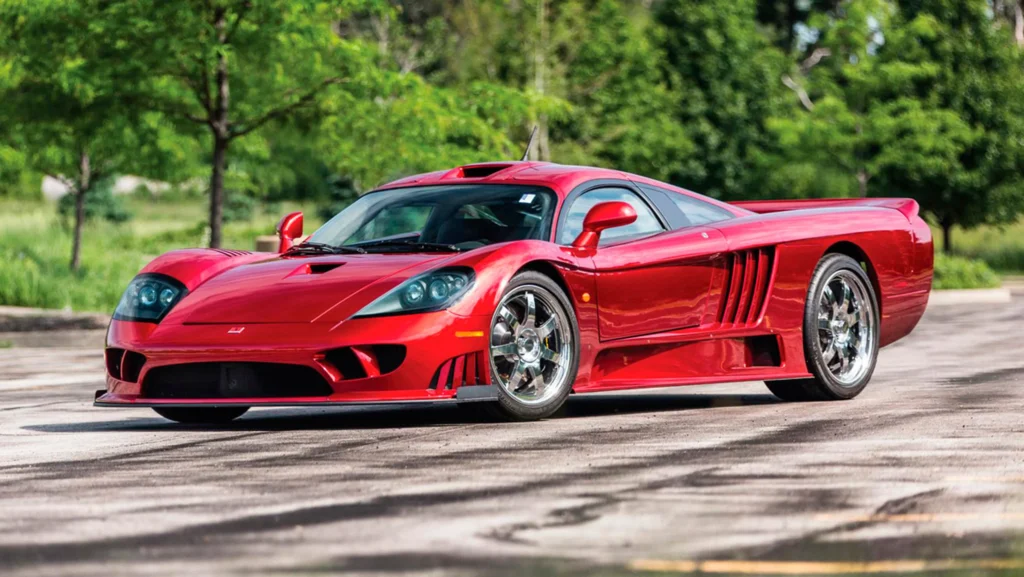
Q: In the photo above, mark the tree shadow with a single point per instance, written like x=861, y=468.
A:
x=411, y=416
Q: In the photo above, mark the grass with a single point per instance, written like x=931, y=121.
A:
x=35, y=248
x=957, y=272
x=1000, y=247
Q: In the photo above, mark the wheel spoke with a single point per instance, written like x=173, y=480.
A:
x=531, y=311
x=847, y=297
x=518, y=374
x=844, y=360
x=824, y=324
x=506, y=350
x=829, y=353
x=509, y=318
x=548, y=327
x=550, y=355
x=830, y=297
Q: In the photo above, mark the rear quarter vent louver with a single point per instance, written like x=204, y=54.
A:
x=747, y=284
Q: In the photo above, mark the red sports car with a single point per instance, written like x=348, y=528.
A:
x=517, y=283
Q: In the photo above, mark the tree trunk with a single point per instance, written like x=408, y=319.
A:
x=862, y=182
x=220, y=150
x=1018, y=23
x=540, y=80
x=947, y=237
x=82, y=188
x=221, y=134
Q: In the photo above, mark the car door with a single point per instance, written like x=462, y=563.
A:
x=649, y=280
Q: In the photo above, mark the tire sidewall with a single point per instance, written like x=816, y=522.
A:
x=509, y=406
x=830, y=386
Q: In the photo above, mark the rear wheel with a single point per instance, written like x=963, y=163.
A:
x=201, y=415
x=534, y=348
x=840, y=334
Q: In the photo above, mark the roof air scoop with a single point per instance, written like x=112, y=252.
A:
x=478, y=170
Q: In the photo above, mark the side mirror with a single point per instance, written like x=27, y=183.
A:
x=289, y=229
x=603, y=216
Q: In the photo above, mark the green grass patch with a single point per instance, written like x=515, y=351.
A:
x=1001, y=247
x=6, y=344
x=35, y=249
x=957, y=272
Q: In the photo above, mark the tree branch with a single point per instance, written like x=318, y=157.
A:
x=817, y=56
x=242, y=10
x=800, y=92
x=255, y=123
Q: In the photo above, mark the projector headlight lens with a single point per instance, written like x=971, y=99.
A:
x=433, y=291
x=148, y=298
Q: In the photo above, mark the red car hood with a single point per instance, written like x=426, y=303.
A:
x=293, y=290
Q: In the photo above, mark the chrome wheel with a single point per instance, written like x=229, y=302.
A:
x=531, y=345
x=845, y=332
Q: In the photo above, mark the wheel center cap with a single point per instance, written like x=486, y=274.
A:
x=840, y=331
x=528, y=345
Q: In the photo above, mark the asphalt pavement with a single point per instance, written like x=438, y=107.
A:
x=923, y=473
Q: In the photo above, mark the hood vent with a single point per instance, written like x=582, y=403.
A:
x=321, y=268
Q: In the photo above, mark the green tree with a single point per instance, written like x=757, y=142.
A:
x=63, y=101
x=727, y=80
x=232, y=67
x=950, y=80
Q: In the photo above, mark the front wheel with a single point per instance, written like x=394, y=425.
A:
x=840, y=334
x=534, y=348
x=201, y=415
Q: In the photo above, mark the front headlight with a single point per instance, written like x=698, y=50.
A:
x=149, y=298
x=433, y=291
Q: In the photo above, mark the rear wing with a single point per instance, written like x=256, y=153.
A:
x=907, y=206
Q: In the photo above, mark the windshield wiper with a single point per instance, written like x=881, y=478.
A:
x=412, y=245
x=321, y=248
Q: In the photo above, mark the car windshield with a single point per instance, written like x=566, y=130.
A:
x=448, y=217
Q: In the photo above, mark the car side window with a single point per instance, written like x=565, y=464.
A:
x=646, y=222
x=697, y=211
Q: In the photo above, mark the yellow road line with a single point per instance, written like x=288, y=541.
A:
x=825, y=567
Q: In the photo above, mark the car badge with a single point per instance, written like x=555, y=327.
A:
x=236, y=330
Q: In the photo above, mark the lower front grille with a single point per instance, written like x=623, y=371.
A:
x=233, y=380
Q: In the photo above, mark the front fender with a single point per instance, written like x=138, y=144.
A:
x=496, y=266
x=194, y=266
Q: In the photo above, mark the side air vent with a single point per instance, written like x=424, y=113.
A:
x=463, y=370
x=747, y=286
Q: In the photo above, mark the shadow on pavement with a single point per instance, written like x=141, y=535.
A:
x=401, y=416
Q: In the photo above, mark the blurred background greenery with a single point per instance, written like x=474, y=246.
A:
x=237, y=111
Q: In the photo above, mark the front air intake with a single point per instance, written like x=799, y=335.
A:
x=233, y=380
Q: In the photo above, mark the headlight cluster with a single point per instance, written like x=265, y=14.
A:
x=428, y=292
x=149, y=298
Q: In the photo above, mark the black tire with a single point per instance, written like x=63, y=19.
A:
x=201, y=415
x=509, y=407
x=825, y=385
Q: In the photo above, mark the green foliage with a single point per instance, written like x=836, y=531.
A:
x=101, y=203
x=957, y=272
x=342, y=193
x=726, y=79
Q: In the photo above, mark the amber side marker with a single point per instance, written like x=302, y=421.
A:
x=586, y=297
x=826, y=567
x=468, y=334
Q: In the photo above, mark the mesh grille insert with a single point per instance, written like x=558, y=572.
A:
x=233, y=380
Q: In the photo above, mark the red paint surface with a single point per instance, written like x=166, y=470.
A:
x=676, y=308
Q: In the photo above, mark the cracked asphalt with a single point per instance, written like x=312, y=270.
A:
x=922, y=472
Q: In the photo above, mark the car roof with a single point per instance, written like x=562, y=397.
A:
x=558, y=177
x=561, y=178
